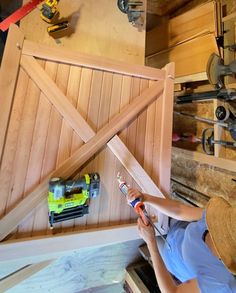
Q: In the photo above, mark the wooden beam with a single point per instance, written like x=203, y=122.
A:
x=21, y=275
x=231, y=16
x=8, y=79
x=72, y=164
x=224, y=164
x=192, y=77
x=95, y=62
x=164, y=157
x=59, y=244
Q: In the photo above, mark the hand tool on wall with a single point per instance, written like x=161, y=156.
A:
x=69, y=199
x=225, y=118
x=222, y=94
x=132, y=9
x=138, y=206
x=208, y=141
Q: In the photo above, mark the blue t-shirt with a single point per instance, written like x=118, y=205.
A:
x=190, y=258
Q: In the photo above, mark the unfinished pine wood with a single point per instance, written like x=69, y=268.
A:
x=190, y=57
x=75, y=58
x=21, y=275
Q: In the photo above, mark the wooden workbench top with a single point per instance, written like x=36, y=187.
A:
x=97, y=28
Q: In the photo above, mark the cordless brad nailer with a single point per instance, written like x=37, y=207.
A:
x=69, y=199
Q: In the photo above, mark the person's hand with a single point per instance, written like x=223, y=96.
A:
x=133, y=194
x=146, y=232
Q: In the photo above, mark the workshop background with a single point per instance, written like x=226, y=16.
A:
x=195, y=175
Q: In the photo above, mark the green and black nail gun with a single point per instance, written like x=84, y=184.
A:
x=69, y=199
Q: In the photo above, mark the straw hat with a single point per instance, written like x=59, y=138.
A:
x=221, y=222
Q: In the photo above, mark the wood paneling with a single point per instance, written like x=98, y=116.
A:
x=65, y=105
x=190, y=57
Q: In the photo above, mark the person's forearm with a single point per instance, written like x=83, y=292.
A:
x=174, y=209
x=164, y=279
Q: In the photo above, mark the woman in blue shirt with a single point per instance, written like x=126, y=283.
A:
x=202, y=246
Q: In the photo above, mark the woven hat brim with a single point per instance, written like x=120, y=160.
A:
x=219, y=224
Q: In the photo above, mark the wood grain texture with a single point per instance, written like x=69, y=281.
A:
x=56, y=245
x=10, y=221
x=55, y=95
x=197, y=50
x=10, y=64
x=79, y=271
x=200, y=19
x=67, y=88
x=164, y=156
x=20, y=276
x=103, y=36
x=7, y=166
x=75, y=58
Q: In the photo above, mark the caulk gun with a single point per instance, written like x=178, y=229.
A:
x=138, y=206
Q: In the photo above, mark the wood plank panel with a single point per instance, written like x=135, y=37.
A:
x=76, y=58
x=11, y=139
x=70, y=135
x=198, y=49
x=63, y=152
x=37, y=152
x=115, y=196
x=166, y=125
x=10, y=64
x=81, y=156
x=103, y=163
x=40, y=221
x=93, y=118
x=199, y=20
x=83, y=105
x=23, y=145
